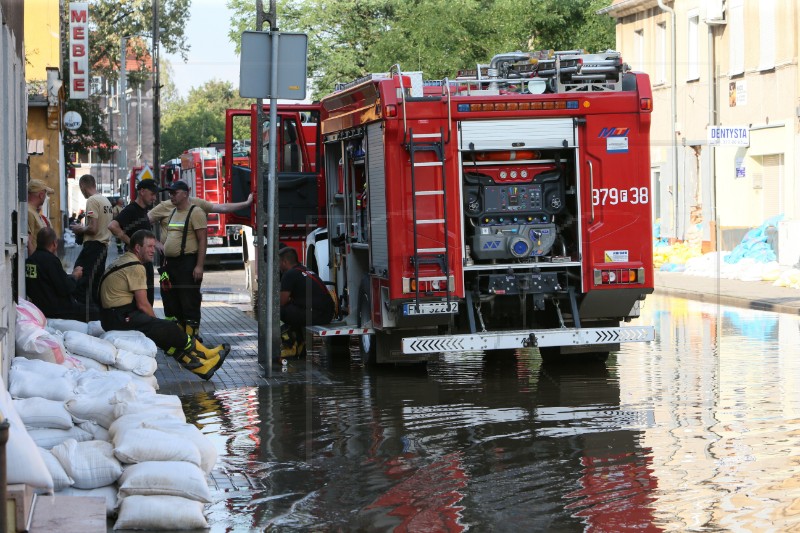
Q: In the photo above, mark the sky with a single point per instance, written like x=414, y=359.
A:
x=211, y=55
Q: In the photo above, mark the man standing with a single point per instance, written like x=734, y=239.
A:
x=37, y=195
x=133, y=218
x=125, y=307
x=299, y=288
x=185, y=256
x=49, y=287
x=95, y=240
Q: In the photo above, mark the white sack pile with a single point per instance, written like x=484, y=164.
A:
x=94, y=425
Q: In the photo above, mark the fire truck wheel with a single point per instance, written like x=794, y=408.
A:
x=367, y=344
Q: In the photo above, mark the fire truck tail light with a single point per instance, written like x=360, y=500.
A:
x=572, y=104
x=619, y=276
x=391, y=111
x=646, y=104
x=463, y=108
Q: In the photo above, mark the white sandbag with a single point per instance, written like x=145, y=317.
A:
x=136, y=420
x=142, y=365
x=149, y=382
x=132, y=341
x=65, y=325
x=34, y=342
x=95, y=395
x=49, y=438
x=95, y=328
x=88, y=346
x=162, y=404
x=43, y=413
x=60, y=478
x=108, y=493
x=160, y=512
x=144, y=444
x=28, y=312
x=189, y=432
x=141, y=386
x=72, y=363
x=98, y=432
x=90, y=364
x=91, y=464
x=167, y=478
x=24, y=464
x=31, y=378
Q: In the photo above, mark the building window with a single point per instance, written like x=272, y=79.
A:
x=736, y=38
x=692, y=42
x=638, y=46
x=766, y=40
x=661, y=52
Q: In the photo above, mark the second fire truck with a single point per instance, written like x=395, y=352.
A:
x=507, y=208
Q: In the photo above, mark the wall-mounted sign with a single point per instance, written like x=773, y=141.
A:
x=79, y=50
x=728, y=136
x=72, y=120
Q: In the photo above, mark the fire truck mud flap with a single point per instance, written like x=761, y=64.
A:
x=527, y=339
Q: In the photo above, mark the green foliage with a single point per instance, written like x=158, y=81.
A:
x=92, y=133
x=349, y=38
x=200, y=118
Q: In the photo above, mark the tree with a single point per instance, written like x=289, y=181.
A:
x=348, y=38
x=200, y=119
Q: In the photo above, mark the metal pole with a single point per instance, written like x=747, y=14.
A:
x=123, y=106
x=261, y=274
x=156, y=96
x=273, y=314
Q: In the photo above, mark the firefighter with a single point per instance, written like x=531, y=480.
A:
x=160, y=215
x=125, y=307
x=296, y=282
x=37, y=196
x=95, y=236
x=184, y=260
x=49, y=287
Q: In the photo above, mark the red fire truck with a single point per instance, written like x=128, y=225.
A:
x=507, y=208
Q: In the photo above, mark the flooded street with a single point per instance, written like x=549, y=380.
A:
x=699, y=430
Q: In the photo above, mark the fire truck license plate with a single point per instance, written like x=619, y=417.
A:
x=431, y=308
x=215, y=241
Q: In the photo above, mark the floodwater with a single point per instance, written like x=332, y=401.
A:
x=697, y=431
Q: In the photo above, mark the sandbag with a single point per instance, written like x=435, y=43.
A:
x=34, y=342
x=27, y=311
x=91, y=464
x=60, y=478
x=162, y=404
x=98, y=349
x=95, y=395
x=165, y=478
x=149, y=382
x=160, y=512
x=189, y=432
x=97, y=431
x=95, y=328
x=30, y=378
x=49, y=438
x=142, y=365
x=144, y=444
x=90, y=364
x=108, y=493
x=24, y=464
x=43, y=413
x=136, y=420
x=63, y=325
x=132, y=341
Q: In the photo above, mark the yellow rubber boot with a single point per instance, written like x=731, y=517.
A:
x=193, y=330
x=204, y=367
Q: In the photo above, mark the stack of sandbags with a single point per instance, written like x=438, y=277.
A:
x=32, y=339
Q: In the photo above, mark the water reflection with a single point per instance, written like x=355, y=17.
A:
x=697, y=430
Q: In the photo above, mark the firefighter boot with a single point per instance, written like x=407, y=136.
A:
x=288, y=342
x=205, y=366
x=192, y=329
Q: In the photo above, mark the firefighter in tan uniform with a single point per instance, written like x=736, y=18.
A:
x=37, y=196
x=123, y=293
x=95, y=241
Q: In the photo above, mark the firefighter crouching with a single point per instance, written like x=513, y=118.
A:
x=123, y=294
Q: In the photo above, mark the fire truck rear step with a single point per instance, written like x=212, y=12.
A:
x=333, y=330
x=526, y=339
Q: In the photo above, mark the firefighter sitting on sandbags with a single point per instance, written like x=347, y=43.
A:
x=123, y=293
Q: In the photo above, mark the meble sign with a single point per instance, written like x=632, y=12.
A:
x=79, y=50
x=728, y=136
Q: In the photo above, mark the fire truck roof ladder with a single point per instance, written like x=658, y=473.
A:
x=429, y=142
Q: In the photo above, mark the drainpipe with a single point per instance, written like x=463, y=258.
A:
x=673, y=112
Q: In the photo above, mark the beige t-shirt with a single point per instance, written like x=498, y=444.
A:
x=98, y=206
x=172, y=245
x=118, y=287
x=36, y=221
x=161, y=212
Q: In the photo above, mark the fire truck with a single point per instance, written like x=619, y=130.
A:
x=202, y=169
x=503, y=209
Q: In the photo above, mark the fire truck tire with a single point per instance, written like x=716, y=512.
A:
x=367, y=344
